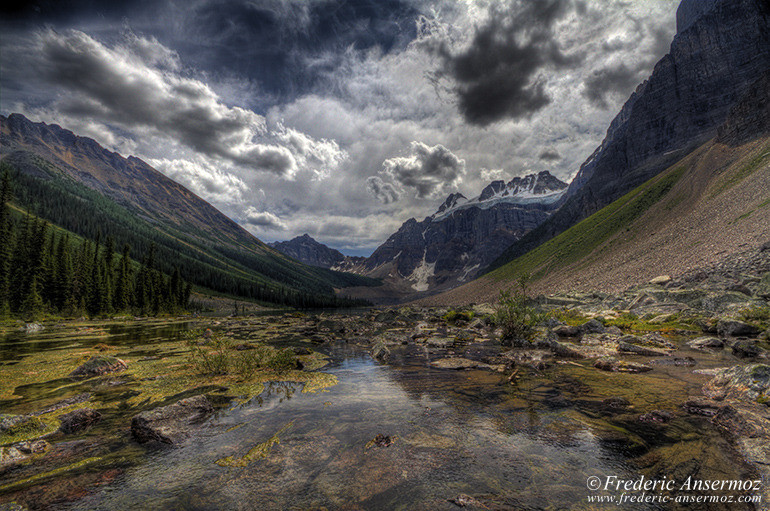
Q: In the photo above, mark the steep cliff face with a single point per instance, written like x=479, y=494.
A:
x=464, y=236
x=722, y=47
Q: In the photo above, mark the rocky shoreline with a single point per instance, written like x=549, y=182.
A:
x=694, y=324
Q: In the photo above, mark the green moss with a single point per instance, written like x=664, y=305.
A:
x=52, y=473
x=570, y=317
x=453, y=316
x=583, y=238
x=257, y=452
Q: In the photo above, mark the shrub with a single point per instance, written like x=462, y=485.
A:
x=453, y=317
x=512, y=313
x=212, y=357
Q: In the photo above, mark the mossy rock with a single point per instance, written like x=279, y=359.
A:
x=99, y=365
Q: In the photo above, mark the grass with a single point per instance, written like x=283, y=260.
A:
x=583, y=238
x=734, y=178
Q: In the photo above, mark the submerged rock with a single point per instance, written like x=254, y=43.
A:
x=746, y=348
x=657, y=417
x=625, y=347
x=14, y=425
x=79, y=420
x=620, y=366
x=702, y=343
x=380, y=352
x=171, y=424
x=99, y=365
x=702, y=406
x=459, y=364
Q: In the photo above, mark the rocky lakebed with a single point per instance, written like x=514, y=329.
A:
x=393, y=408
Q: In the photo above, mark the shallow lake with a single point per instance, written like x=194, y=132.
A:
x=530, y=444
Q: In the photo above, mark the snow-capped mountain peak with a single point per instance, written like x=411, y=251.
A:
x=542, y=187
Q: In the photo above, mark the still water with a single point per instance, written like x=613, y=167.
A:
x=528, y=445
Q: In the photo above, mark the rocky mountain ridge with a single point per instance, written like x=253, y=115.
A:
x=463, y=236
x=722, y=47
x=75, y=183
x=308, y=251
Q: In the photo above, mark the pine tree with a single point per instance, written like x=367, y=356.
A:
x=122, y=299
x=6, y=243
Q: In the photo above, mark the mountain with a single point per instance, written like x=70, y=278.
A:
x=721, y=48
x=308, y=251
x=709, y=207
x=464, y=235
x=73, y=182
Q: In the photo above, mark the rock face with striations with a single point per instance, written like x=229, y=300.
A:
x=721, y=49
x=464, y=236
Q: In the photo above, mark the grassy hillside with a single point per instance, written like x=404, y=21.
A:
x=712, y=203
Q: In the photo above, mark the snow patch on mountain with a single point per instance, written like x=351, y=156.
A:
x=542, y=188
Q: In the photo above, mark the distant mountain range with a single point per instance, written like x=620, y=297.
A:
x=308, y=251
x=75, y=183
x=449, y=247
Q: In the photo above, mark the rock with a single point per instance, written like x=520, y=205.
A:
x=557, y=348
x=79, y=420
x=459, y=364
x=702, y=343
x=380, y=352
x=654, y=339
x=244, y=347
x=661, y=280
x=657, y=416
x=171, y=424
x=592, y=326
x=624, y=347
x=746, y=348
x=702, y=406
x=675, y=361
x=31, y=328
x=744, y=382
x=440, y=342
x=464, y=500
x=616, y=403
x=380, y=441
x=733, y=328
x=299, y=350
x=12, y=425
x=99, y=365
x=567, y=331
x=618, y=366
x=21, y=451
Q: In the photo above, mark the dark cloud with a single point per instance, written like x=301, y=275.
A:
x=382, y=191
x=498, y=75
x=136, y=85
x=288, y=46
x=607, y=81
x=430, y=171
x=550, y=155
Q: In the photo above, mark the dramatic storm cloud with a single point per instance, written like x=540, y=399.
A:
x=337, y=118
x=499, y=74
x=430, y=171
